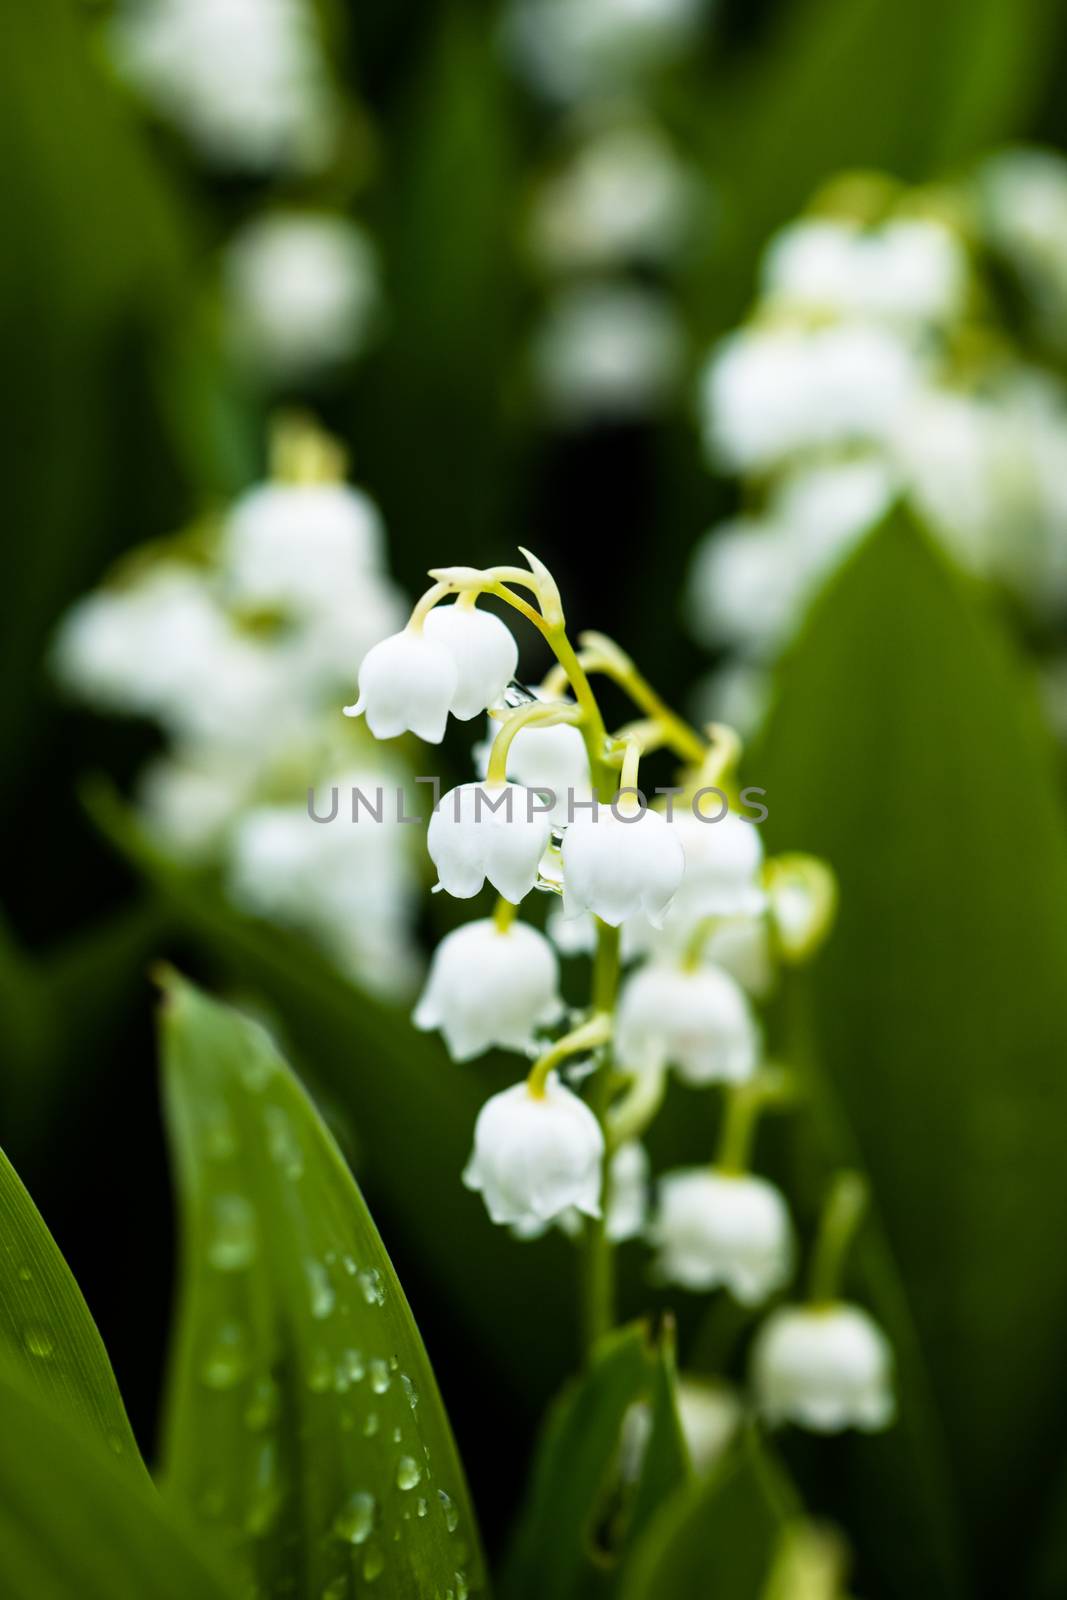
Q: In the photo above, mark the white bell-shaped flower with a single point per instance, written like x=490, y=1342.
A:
x=715, y=1228
x=627, y=1204
x=292, y=546
x=488, y=832
x=484, y=651
x=551, y=760
x=824, y=1367
x=406, y=683
x=621, y=868
x=722, y=866
x=697, y=1021
x=710, y=1412
x=490, y=986
x=536, y=1156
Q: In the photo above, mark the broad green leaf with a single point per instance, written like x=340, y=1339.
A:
x=377, y=1068
x=715, y=1537
x=611, y=1452
x=904, y=747
x=304, y=1422
x=75, y=1525
x=47, y=1331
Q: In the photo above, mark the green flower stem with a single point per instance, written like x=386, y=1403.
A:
x=603, y=655
x=842, y=1215
x=590, y=1036
x=598, y=1264
x=541, y=716
x=504, y=914
x=745, y=1104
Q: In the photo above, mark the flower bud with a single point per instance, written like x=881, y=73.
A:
x=620, y=869
x=487, y=831
x=715, y=1228
x=535, y=1156
x=697, y=1021
x=406, y=682
x=484, y=651
x=824, y=1367
x=490, y=986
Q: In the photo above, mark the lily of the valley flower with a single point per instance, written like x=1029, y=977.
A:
x=824, y=1367
x=406, y=683
x=484, y=651
x=489, y=986
x=697, y=1021
x=536, y=1155
x=722, y=867
x=715, y=1228
x=488, y=832
x=621, y=868
x=710, y=1412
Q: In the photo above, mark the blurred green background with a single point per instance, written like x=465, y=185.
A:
x=905, y=744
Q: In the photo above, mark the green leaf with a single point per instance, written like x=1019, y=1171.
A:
x=75, y=1523
x=47, y=1331
x=716, y=1536
x=376, y=1067
x=905, y=748
x=593, y=1486
x=304, y=1421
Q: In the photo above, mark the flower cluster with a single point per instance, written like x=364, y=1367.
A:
x=877, y=364
x=236, y=639
x=687, y=923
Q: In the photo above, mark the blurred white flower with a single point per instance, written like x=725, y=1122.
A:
x=623, y=196
x=575, y=48
x=723, y=861
x=1022, y=195
x=536, y=1156
x=300, y=291
x=189, y=805
x=627, y=1202
x=713, y=1228
x=351, y=886
x=621, y=868
x=406, y=683
x=245, y=81
x=483, y=832
x=484, y=650
x=292, y=546
x=741, y=947
x=906, y=270
x=710, y=1413
x=610, y=350
x=824, y=1367
x=490, y=986
x=770, y=392
x=697, y=1021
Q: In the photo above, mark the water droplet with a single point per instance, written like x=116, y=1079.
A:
x=320, y=1289
x=25, y=1275
x=226, y=1361
x=421, y=1508
x=370, y=1425
x=371, y=1284
x=397, y=1435
x=233, y=1239
x=379, y=1376
x=219, y=1137
x=410, y=1390
x=116, y=1444
x=336, y=1589
x=38, y=1342
x=462, y=1591
x=373, y=1563
x=264, y=1404
x=263, y=1511
x=282, y=1143
x=258, y=1065
x=320, y=1372
x=353, y=1366
x=355, y=1521
x=448, y=1506
x=349, y=1264
x=408, y=1473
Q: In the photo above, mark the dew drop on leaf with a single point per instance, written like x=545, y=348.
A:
x=373, y=1563
x=371, y=1284
x=226, y=1361
x=264, y=1404
x=379, y=1376
x=320, y=1289
x=355, y=1521
x=370, y=1426
x=282, y=1143
x=233, y=1240
x=408, y=1473
x=38, y=1342
x=448, y=1506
